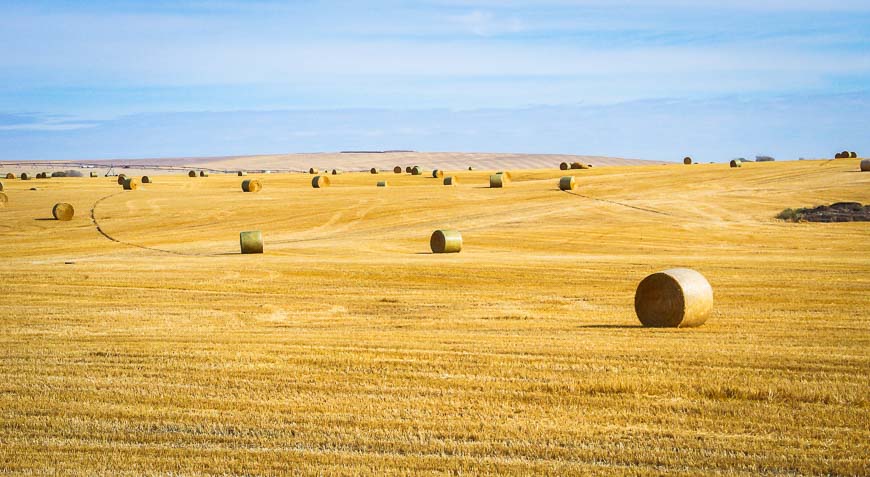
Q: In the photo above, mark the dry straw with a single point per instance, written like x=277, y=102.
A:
x=416, y=171
x=397, y=169
x=497, y=181
x=687, y=160
x=374, y=170
x=319, y=182
x=865, y=166
x=735, y=163
x=567, y=183
x=203, y=174
x=191, y=174
x=382, y=184
x=10, y=175
x=564, y=166
x=251, y=185
x=4, y=199
x=451, y=181
x=251, y=241
x=242, y=173
x=146, y=180
x=437, y=173
x=445, y=241
x=63, y=211
x=679, y=297
x=131, y=184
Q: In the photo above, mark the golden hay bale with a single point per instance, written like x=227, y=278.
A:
x=470, y=168
x=191, y=174
x=735, y=163
x=567, y=183
x=865, y=166
x=3, y=199
x=679, y=297
x=1, y=186
x=437, y=173
x=687, y=160
x=146, y=180
x=374, y=170
x=203, y=174
x=497, y=181
x=251, y=241
x=121, y=178
x=397, y=169
x=251, y=185
x=131, y=183
x=93, y=174
x=10, y=175
x=319, y=182
x=853, y=155
x=408, y=169
x=25, y=176
x=63, y=211
x=382, y=184
x=336, y=172
x=564, y=166
x=445, y=241
x=313, y=170
x=242, y=173
x=451, y=181
x=416, y=171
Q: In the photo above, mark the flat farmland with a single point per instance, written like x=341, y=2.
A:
x=136, y=339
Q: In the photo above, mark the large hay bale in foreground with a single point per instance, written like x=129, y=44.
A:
x=25, y=176
x=451, y=181
x=146, y=180
x=251, y=185
x=567, y=183
x=319, y=182
x=564, y=166
x=242, y=173
x=446, y=241
x=865, y=166
x=437, y=173
x=397, y=170
x=10, y=175
x=191, y=174
x=416, y=171
x=679, y=297
x=251, y=241
x=4, y=199
x=382, y=184
x=497, y=181
x=374, y=170
x=121, y=178
x=63, y=211
x=735, y=163
x=687, y=160
x=203, y=174
x=131, y=183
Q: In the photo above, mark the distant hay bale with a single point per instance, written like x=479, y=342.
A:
x=735, y=163
x=251, y=185
x=451, y=181
x=94, y=174
x=679, y=297
x=845, y=154
x=382, y=184
x=578, y=165
x=589, y=166
x=319, y=182
x=25, y=176
x=416, y=171
x=437, y=173
x=687, y=160
x=567, y=183
x=39, y=175
x=497, y=181
x=251, y=241
x=131, y=183
x=242, y=173
x=203, y=174
x=146, y=180
x=313, y=170
x=564, y=166
x=853, y=155
x=865, y=167
x=63, y=211
x=446, y=241
x=121, y=178
x=397, y=169
x=10, y=175
x=470, y=168
x=374, y=170
x=191, y=174
x=408, y=169
x=4, y=199
x=336, y=172
x=838, y=155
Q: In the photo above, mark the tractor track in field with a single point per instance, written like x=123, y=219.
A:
x=622, y=204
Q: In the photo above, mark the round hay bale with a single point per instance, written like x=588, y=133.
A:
x=121, y=178
x=4, y=199
x=374, y=170
x=34, y=188
x=242, y=173
x=838, y=155
x=319, y=182
x=735, y=163
x=382, y=184
x=10, y=175
x=131, y=183
x=54, y=174
x=508, y=176
x=416, y=171
x=408, y=169
x=853, y=155
x=191, y=174
x=589, y=166
x=397, y=170
x=845, y=155
x=865, y=167
x=313, y=170
x=146, y=180
x=251, y=185
x=93, y=174
x=437, y=173
x=451, y=181
x=687, y=160
x=497, y=181
x=564, y=166
x=39, y=175
x=63, y=211
x=567, y=183
x=1, y=186
x=203, y=174
x=679, y=297
x=336, y=172
x=470, y=168
x=251, y=241
x=446, y=241
x=25, y=176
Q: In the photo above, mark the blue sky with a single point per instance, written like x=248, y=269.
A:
x=657, y=79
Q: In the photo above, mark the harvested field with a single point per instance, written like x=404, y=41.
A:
x=137, y=339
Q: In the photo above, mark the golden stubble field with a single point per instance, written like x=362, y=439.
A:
x=347, y=348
